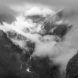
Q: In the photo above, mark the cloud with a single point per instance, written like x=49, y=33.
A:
x=59, y=53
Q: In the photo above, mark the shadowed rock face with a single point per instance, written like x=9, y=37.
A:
x=59, y=30
x=72, y=67
x=36, y=18
x=14, y=65
x=10, y=58
x=43, y=69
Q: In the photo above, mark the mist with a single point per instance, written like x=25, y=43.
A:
x=59, y=53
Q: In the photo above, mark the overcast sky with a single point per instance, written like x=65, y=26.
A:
x=57, y=3
x=50, y=2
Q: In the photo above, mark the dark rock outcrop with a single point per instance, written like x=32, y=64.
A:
x=72, y=67
x=14, y=65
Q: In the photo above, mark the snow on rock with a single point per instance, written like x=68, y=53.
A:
x=44, y=45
